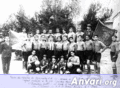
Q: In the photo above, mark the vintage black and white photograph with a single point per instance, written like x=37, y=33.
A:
x=60, y=37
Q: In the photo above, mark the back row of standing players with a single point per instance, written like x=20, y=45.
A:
x=86, y=46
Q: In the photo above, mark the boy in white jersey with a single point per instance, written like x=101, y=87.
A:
x=80, y=48
x=57, y=34
x=71, y=33
x=36, y=46
x=50, y=47
x=37, y=34
x=71, y=46
x=65, y=47
x=58, y=48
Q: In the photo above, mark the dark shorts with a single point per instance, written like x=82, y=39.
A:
x=113, y=59
x=88, y=54
x=73, y=70
x=25, y=56
x=97, y=57
x=64, y=53
x=80, y=54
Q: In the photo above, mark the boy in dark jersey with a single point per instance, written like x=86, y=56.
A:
x=44, y=64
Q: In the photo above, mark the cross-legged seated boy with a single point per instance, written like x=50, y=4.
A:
x=44, y=64
x=53, y=67
x=62, y=65
x=33, y=62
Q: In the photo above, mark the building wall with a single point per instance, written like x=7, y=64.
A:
x=116, y=25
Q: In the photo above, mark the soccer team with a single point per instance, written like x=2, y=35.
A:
x=61, y=52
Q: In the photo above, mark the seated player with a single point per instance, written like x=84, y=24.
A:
x=53, y=67
x=33, y=62
x=73, y=64
x=62, y=65
x=44, y=64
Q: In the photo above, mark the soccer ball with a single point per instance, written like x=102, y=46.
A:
x=69, y=65
x=78, y=70
x=37, y=63
x=38, y=69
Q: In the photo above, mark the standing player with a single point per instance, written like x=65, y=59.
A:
x=57, y=34
x=64, y=33
x=88, y=51
x=65, y=47
x=99, y=47
x=36, y=46
x=113, y=52
x=6, y=50
x=80, y=47
x=50, y=47
x=58, y=48
x=37, y=34
x=71, y=46
x=71, y=34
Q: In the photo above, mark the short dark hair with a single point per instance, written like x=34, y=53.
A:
x=114, y=36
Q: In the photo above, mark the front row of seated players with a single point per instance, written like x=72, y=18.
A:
x=72, y=66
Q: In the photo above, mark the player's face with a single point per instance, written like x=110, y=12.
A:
x=62, y=59
x=50, y=31
x=44, y=58
x=24, y=30
x=59, y=39
x=71, y=40
x=37, y=31
x=33, y=53
x=70, y=30
x=79, y=38
x=64, y=38
x=63, y=31
x=53, y=60
x=95, y=38
x=87, y=37
x=57, y=30
x=72, y=53
x=88, y=29
x=44, y=31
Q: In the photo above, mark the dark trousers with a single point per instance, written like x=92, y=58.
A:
x=113, y=59
x=25, y=58
x=80, y=54
x=50, y=53
x=73, y=70
x=88, y=55
x=42, y=52
x=65, y=52
x=58, y=54
x=6, y=64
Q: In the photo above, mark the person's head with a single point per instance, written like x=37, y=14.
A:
x=44, y=31
x=78, y=30
x=53, y=59
x=87, y=37
x=95, y=37
x=71, y=39
x=65, y=38
x=88, y=28
x=50, y=31
x=114, y=38
x=33, y=52
x=72, y=53
x=7, y=39
x=51, y=38
x=24, y=30
x=79, y=38
x=36, y=38
x=57, y=30
x=63, y=31
x=59, y=38
x=70, y=29
x=62, y=58
x=37, y=31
